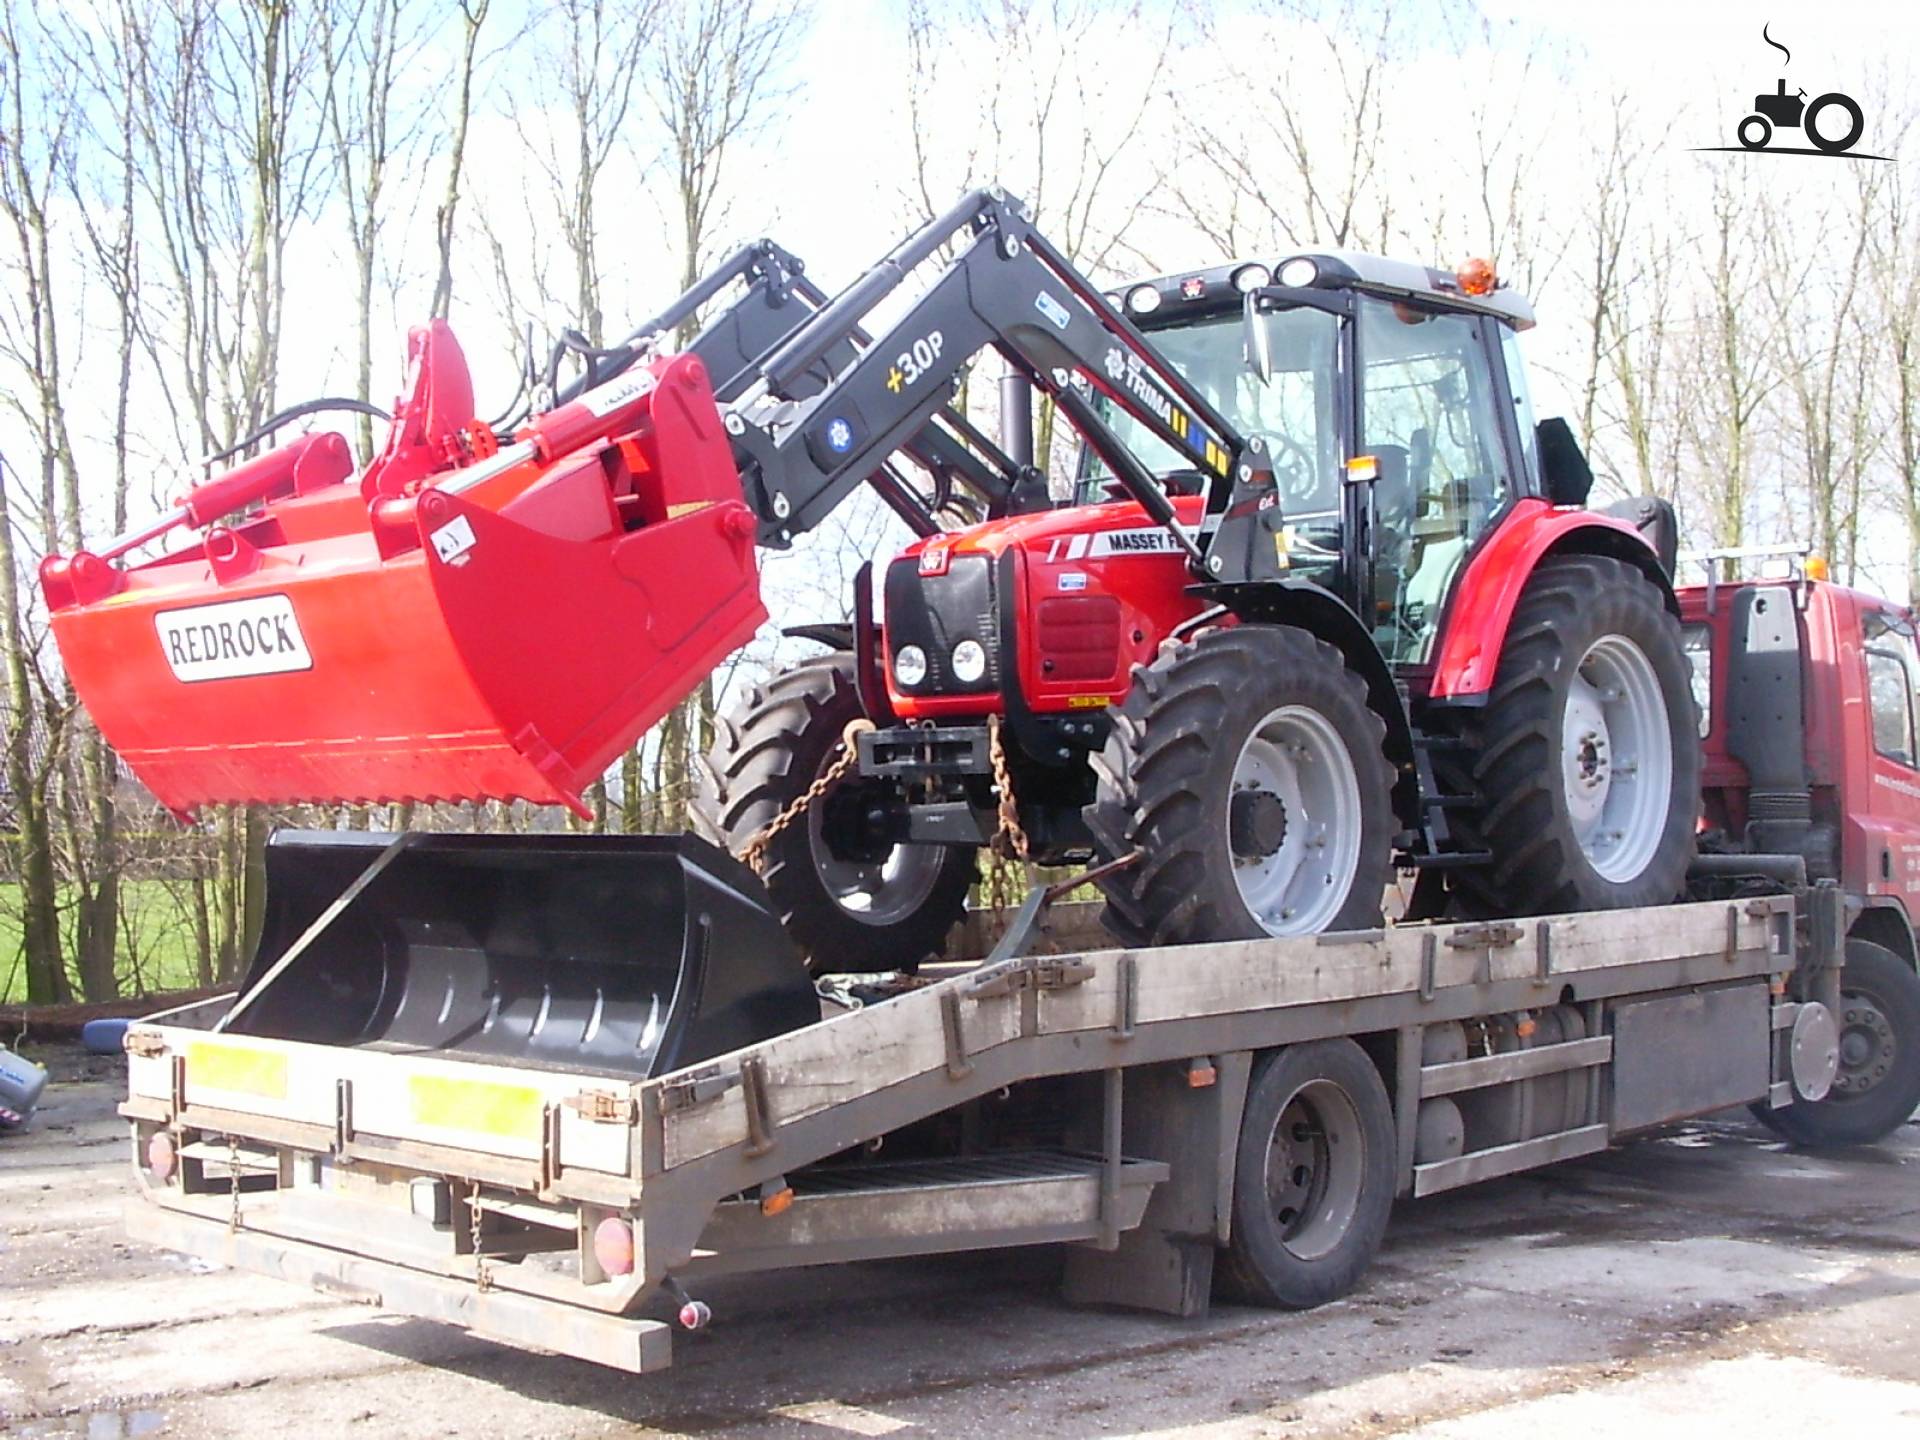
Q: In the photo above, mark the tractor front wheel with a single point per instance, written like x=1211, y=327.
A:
x=850, y=903
x=1250, y=774
x=1585, y=758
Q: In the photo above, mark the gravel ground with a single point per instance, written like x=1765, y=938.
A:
x=1707, y=1281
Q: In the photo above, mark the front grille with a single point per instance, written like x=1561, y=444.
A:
x=1078, y=637
x=937, y=612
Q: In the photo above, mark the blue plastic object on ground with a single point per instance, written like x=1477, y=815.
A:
x=103, y=1037
x=21, y=1084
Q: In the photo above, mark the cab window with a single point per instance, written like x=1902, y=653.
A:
x=1892, y=668
x=1432, y=422
x=1522, y=405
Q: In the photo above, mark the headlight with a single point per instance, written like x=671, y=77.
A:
x=1251, y=277
x=969, y=661
x=1299, y=272
x=1143, y=299
x=910, y=665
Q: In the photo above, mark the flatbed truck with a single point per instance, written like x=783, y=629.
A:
x=1243, y=1113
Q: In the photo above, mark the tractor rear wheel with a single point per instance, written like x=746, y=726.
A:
x=852, y=905
x=1249, y=772
x=1585, y=757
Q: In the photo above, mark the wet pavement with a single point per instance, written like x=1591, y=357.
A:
x=1705, y=1281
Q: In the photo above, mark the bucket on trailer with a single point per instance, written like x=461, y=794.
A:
x=462, y=623
x=626, y=954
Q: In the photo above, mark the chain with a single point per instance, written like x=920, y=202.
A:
x=233, y=1183
x=754, y=856
x=481, y=1276
x=1010, y=837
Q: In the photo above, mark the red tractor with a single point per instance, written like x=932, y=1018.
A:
x=1409, y=647
x=1323, y=601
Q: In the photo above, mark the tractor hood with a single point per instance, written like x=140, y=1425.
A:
x=1062, y=604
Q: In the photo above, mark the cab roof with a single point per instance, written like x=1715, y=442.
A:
x=1215, y=286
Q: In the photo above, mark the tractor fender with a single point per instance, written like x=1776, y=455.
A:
x=1485, y=595
x=1327, y=617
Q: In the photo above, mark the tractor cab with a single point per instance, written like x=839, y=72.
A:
x=1392, y=401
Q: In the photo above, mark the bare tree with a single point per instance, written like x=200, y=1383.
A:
x=1730, y=357
x=35, y=147
x=473, y=14
x=710, y=83
x=233, y=157
x=365, y=49
x=1299, y=155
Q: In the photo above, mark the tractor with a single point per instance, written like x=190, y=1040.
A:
x=1442, y=664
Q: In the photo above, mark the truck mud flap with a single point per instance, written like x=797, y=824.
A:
x=620, y=954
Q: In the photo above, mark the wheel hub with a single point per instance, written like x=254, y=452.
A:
x=1256, y=824
x=1316, y=1167
x=870, y=878
x=1293, y=822
x=1867, y=1046
x=1616, y=752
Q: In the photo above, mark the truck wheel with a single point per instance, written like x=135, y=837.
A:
x=1584, y=755
x=1878, y=1087
x=849, y=905
x=1251, y=774
x=1313, y=1177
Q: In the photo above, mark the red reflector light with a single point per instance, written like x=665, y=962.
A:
x=160, y=1156
x=613, y=1246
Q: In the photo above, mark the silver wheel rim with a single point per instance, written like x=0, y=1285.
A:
x=1316, y=1168
x=881, y=892
x=1617, y=758
x=1868, y=1046
x=1296, y=756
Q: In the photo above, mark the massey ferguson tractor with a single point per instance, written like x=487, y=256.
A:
x=1323, y=602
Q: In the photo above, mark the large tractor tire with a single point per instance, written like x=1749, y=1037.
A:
x=1249, y=772
x=849, y=906
x=1585, y=757
x=1878, y=1086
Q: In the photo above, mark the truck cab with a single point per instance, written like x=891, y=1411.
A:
x=1806, y=691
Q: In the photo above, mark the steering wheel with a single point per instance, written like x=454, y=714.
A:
x=1295, y=473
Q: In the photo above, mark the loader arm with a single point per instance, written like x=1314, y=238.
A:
x=802, y=447
x=775, y=300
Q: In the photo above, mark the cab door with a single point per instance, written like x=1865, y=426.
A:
x=1881, y=848
x=1436, y=419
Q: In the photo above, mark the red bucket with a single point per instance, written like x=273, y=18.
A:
x=507, y=642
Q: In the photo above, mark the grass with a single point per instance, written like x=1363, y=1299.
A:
x=156, y=942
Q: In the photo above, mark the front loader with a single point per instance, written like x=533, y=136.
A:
x=1292, y=629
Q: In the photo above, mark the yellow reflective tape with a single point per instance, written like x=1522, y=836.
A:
x=239, y=1070
x=482, y=1106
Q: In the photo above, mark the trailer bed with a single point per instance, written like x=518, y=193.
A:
x=472, y=1193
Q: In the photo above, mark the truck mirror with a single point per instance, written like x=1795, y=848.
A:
x=1565, y=476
